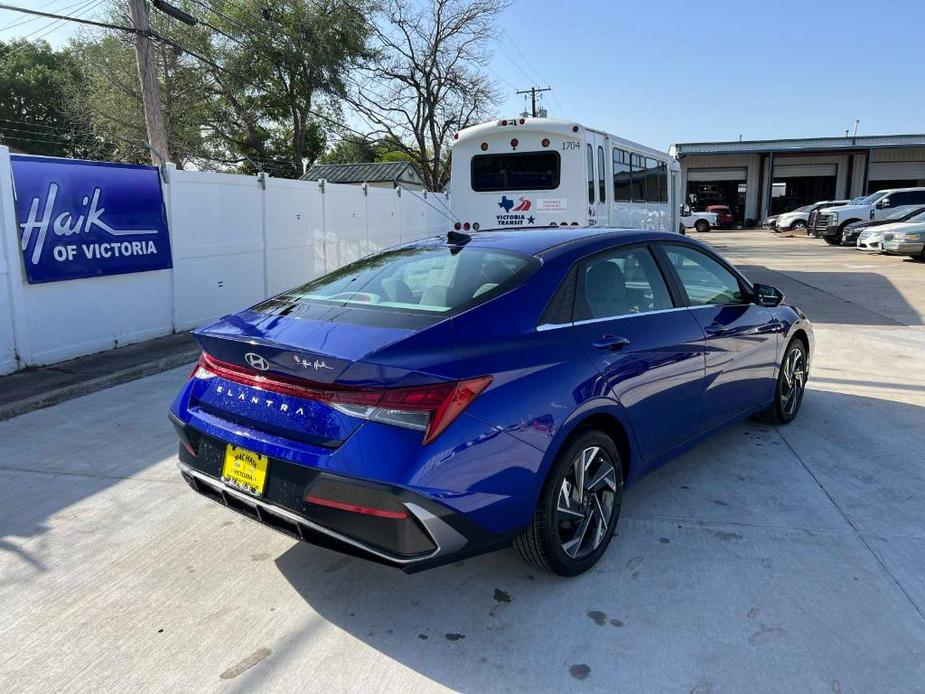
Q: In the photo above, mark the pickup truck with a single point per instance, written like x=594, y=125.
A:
x=830, y=222
x=724, y=217
x=701, y=221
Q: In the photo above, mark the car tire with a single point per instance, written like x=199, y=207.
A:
x=834, y=240
x=702, y=226
x=798, y=225
x=790, y=386
x=570, y=531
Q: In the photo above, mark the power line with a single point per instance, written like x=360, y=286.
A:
x=539, y=75
x=533, y=91
x=52, y=25
x=67, y=18
x=20, y=21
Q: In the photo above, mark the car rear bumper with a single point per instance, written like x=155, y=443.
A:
x=413, y=533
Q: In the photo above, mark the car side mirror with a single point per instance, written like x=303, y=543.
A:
x=766, y=295
x=883, y=203
x=685, y=210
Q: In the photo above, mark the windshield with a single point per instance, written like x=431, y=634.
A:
x=869, y=200
x=515, y=171
x=431, y=279
x=901, y=213
x=917, y=217
x=805, y=208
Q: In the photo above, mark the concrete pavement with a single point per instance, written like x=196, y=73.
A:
x=766, y=560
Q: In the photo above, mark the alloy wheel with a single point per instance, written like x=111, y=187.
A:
x=586, y=503
x=791, y=391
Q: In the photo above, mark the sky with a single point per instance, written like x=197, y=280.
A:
x=667, y=71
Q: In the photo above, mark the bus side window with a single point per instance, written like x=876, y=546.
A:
x=621, y=176
x=601, y=175
x=638, y=177
x=590, y=175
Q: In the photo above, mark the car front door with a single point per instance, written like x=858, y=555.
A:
x=741, y=337
x=896, y=204
x=648, y=349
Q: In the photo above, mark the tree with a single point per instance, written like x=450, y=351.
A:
x=35, y=112
x=112, y=95
x=353, y=148
x=282, y=69
x=425, y=81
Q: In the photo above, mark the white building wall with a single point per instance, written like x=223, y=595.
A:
x=235, y=240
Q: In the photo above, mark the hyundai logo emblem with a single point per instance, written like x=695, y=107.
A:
x=256, y=361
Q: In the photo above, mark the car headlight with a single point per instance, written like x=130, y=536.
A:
x=834, y=216
x=911, y=236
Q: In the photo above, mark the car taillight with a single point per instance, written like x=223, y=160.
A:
x=429, y=408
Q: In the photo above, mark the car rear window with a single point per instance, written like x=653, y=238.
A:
x=427, y=279
x=518, y=171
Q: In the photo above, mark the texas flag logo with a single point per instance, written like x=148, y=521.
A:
x=507, y=204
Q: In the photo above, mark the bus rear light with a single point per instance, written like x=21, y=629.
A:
x=466, y=226
x=457, y=226
x=522, y=121
x=574, y=128
x=504, y=122
x=553, y=224
x=574, y=224
x=475, y=226
x=545, y=142
x=455, y=136
x=514, y=143
x=484, y=146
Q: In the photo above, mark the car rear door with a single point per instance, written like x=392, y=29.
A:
x=648, y=350
x=741, y=337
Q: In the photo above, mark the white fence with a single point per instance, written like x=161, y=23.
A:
x=235, y=240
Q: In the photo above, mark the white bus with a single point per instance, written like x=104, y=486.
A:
x=542, y=172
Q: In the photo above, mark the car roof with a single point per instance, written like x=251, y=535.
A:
x=545, y=240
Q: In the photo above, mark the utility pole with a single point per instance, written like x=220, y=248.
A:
x=150, y=94
x=533, y=91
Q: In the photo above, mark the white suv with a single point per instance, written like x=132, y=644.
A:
x=798, y=219
x=830, y=222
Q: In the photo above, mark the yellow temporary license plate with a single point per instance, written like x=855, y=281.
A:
x=244, y=469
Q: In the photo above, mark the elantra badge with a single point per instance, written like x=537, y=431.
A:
x=256, y=361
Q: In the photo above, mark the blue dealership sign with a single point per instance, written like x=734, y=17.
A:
x=88, y=219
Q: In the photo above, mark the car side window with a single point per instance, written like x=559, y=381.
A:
x=619, y=283
x=705, y=280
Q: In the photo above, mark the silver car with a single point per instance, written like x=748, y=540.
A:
x=905, y=238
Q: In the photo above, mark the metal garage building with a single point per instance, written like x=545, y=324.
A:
x=804, y=171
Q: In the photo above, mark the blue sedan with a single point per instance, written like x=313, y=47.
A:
x=454, y=395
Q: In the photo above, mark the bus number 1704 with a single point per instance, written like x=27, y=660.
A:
x=571, y=144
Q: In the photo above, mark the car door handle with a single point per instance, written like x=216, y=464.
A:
x=611, y=342
x=774, y=326
x=716, y=330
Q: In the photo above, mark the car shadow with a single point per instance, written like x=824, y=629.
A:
x=817, y=294
x=54, y=458
x=751, y=507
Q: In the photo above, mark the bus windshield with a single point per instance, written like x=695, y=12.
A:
x=520, y=171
